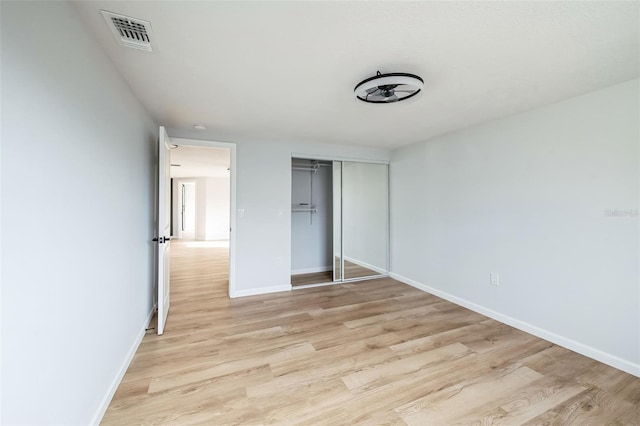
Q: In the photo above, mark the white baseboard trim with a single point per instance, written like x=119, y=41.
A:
x=261, y=290
x=366, y=265
x=581, y=348
x=311, y=270
x=216, y=237
x=104, y=404
x=302, y=287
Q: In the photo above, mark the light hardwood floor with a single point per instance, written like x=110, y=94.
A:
x=312, y=278
x=372, y=352
x=351, y=270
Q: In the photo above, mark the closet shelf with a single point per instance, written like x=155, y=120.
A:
x=306, y=208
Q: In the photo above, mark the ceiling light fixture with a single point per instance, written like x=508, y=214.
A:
x=388, y=88
x=199, y=127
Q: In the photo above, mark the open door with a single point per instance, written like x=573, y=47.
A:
x=164, y=227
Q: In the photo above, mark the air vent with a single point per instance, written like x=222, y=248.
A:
x=130, y=32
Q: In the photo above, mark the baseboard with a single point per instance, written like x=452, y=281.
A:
x=304, y=286
x=366, y=265
x=104, y=404
x=219, y=237
x=581, y=348
x=311, y=270
x=261, y=290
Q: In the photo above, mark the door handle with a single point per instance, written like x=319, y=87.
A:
x=162, y=240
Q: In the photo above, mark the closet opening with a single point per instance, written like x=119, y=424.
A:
x=339, y=221
x=311, y=222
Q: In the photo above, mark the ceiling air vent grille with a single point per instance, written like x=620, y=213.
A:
x=130, y=32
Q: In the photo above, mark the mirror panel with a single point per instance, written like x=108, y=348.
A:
x=337, y=221
x=365, y=219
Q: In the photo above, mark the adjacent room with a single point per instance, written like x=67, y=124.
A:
x=389, y=212
x=200, y=193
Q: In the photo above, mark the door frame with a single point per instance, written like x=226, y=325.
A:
x=232, y=147
x=176, y=206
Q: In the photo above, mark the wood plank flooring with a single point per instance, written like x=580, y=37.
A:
x=312, y=278
x=351, y=270
x=372, y=352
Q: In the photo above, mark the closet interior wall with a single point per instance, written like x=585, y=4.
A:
x=311, y=216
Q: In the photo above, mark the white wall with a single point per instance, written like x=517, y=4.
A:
x=263, y=206
x=311, y=233
x=201, y=208
x=528, y=197
x=175, y=208
x=190, y=209
x=76, y=288
x=264, y=194
x=217, y=208
x=212, y=208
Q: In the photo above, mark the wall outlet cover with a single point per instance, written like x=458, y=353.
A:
x=495, y=279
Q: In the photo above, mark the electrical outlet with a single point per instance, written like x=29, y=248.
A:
x=495, y=279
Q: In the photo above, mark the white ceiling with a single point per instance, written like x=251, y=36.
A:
x=285, y=71
x=197, y=161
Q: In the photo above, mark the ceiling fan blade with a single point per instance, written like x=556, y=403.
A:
x=375, y=93
x=373, y=89
x=389, y=86
x=375, y=98
x=392, y=98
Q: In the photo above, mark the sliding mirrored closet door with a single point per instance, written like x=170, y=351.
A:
x=339, y=221
x=364, y=220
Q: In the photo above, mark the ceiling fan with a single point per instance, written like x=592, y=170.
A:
x=388, y=88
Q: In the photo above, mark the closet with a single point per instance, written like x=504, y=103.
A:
x=339, y=221
x=311, y=221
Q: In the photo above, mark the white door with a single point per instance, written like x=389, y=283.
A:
x=164, y=227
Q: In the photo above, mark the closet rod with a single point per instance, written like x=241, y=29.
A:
x=305, y=168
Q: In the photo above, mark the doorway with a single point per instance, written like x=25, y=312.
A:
x=311, y=222
x=202, y=202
